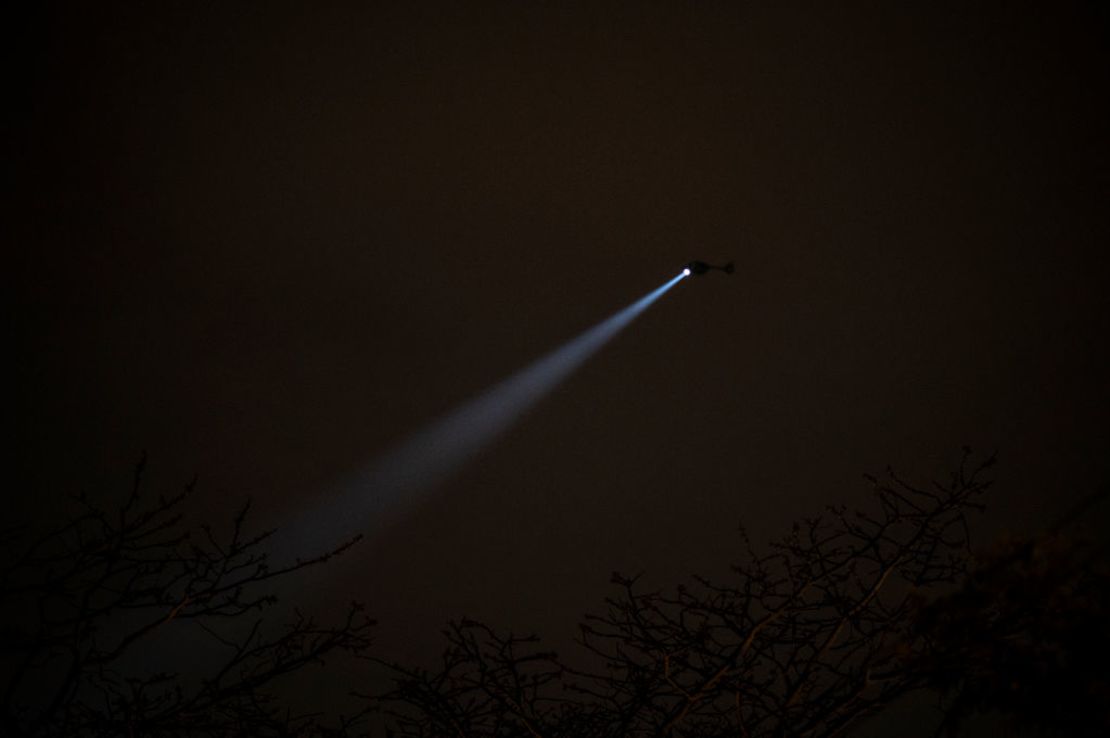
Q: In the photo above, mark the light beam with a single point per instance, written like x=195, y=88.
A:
x=394, y=483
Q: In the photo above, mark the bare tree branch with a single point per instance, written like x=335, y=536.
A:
x=84, y=597
x=809, y=637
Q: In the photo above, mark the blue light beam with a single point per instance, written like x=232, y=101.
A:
x=394, y=483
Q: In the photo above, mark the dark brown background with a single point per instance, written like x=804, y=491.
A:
x=264, y=241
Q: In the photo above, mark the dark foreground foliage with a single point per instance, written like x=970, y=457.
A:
x=807, y=638
x=86, y=602
x=1025, y=637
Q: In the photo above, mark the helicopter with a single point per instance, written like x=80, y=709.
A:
x=700, y=267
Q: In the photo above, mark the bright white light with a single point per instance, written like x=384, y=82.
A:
x=685, y=272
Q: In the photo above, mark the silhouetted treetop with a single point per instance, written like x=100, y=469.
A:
x=809, y=636
x=84, y=602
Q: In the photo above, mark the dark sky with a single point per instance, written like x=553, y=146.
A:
x=265, y=241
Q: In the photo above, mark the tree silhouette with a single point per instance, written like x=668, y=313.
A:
x=1025, y=637
x=85, y=599
x=809, y=637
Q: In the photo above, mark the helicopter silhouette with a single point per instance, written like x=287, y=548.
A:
x=699, y=268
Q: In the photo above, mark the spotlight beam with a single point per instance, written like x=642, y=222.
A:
x=394, y=483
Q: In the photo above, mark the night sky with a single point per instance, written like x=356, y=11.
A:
x=264, y=242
